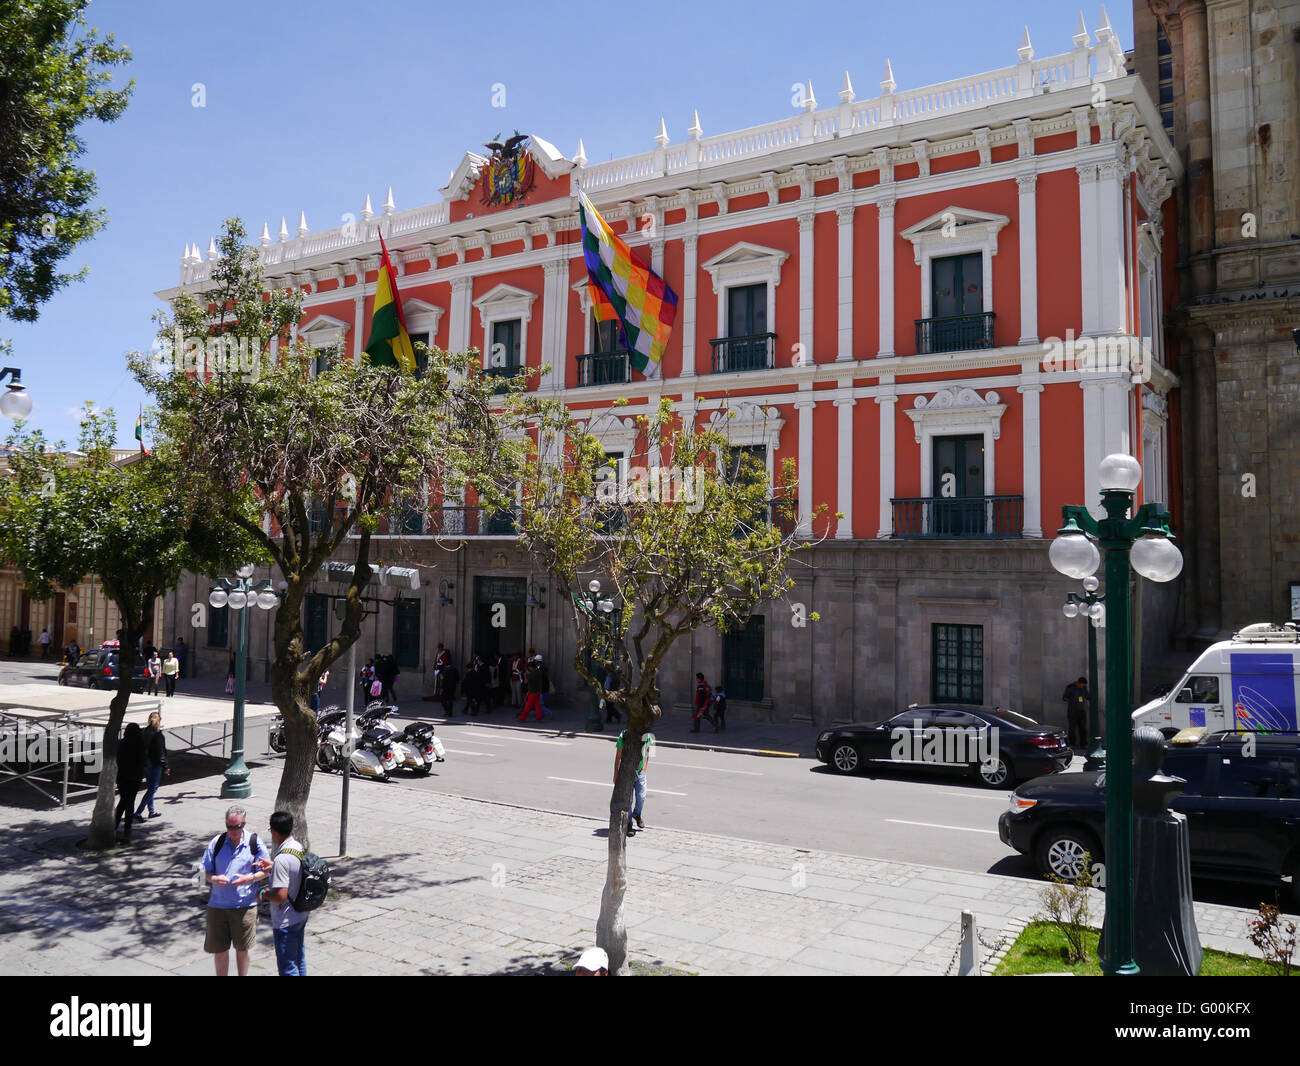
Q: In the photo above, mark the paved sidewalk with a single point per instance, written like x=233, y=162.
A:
x=439, y=884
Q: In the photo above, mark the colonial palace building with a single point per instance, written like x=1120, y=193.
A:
x=919, y=297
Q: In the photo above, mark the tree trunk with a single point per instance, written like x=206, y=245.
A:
x=300, y=748
x=611, y=933
x=103, y=831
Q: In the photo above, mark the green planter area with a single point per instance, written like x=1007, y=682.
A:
x=1041, y=948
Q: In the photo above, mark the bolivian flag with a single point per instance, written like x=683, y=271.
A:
x=389, y=344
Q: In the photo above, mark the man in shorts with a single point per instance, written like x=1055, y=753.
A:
x=231, y=867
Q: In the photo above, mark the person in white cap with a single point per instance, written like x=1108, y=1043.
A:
x=594, y=963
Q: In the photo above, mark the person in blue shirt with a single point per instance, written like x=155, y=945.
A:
x=231, y=867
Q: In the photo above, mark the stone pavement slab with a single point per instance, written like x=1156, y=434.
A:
x=440, y=884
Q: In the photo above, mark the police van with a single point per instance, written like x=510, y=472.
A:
x=1248, y=683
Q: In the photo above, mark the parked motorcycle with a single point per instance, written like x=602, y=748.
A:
x=367, y=752
x=417, y=746
x=275, y=735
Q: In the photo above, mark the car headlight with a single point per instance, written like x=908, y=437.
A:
x=823, y=738
x=1019, y=803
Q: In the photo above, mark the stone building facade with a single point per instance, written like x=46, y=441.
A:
x=1229, y=72
x=930, y=300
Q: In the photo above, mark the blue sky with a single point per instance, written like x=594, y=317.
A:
x=311, y=107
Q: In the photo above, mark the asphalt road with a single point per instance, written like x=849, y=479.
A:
x=944, y=821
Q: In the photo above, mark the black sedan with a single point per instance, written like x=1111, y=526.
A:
x=1243, y=813
x=98, y=669
x=999, y=747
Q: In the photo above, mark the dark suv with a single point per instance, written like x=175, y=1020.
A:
x=98, y=669
x=1242, y=803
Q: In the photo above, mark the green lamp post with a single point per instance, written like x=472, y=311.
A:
x=1144, y=541
x=1090, y=607
x=240, y=596
x=601, y=610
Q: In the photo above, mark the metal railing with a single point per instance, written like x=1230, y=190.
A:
x=967, y=518
x=472, y=522
x=752, y=352
x=603, y=368
x=956, y=333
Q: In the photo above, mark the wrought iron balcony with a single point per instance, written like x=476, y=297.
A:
x=754, y=352
x=968, y=518
x=473, y=522
x=602, y=368
x=503, y=374
x=957, y=333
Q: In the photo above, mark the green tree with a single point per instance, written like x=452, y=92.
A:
x=135, y=524
x=684, y=537
x=55, y=74
x=320, y=448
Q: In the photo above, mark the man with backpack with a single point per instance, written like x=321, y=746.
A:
x=231, y=867
x=288, y=870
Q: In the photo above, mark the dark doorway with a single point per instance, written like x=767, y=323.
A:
x=743, y=662
x=498, y=600
x=957, y=486
x=406, y=634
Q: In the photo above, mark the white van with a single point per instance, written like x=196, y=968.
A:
x=1250, y=682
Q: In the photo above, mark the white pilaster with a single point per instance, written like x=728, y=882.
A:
x=888, y=404
x=461, y=310
x=1093, y=445
x=555, y=321
x=689, y=270
x=805, y=408
x=1028, y=258
x=805, y=287
x=359, y=325
x=844, y=489
x=1111, y=252
x=844, y=215
x=886, y=272
x=1032, y=454
x=1088, y=250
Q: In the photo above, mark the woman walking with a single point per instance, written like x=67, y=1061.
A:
x=703, y=703
x=130, y=768
x=153, y=673
x=155, y=751
x=171, y=667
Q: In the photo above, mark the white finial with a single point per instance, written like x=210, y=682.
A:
x=661, y=138
x=368, y=212
x=194, y=253
x=265, y=238
x=185, y=259
x=1104, y=32
x=302, y=224
x=1026, y=49
x=580, y=156
x=695, y=131
x=284, y=229
x=809, y=100
x=1081, y=38
x=212, y=248
x=389, y=206
x=887, y=83
x=846, y=89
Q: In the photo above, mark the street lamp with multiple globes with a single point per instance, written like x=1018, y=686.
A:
x=1091, y=607
x=1144, y=540
x=240, y=596
x=596, y=604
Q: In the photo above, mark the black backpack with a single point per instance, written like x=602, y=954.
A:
x=315, y=883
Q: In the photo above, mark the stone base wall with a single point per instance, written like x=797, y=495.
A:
x=868, y=656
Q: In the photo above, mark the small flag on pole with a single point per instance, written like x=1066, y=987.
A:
x=642, y=302
x=390, y=344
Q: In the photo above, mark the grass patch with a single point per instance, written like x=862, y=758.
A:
x=1041, y=948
